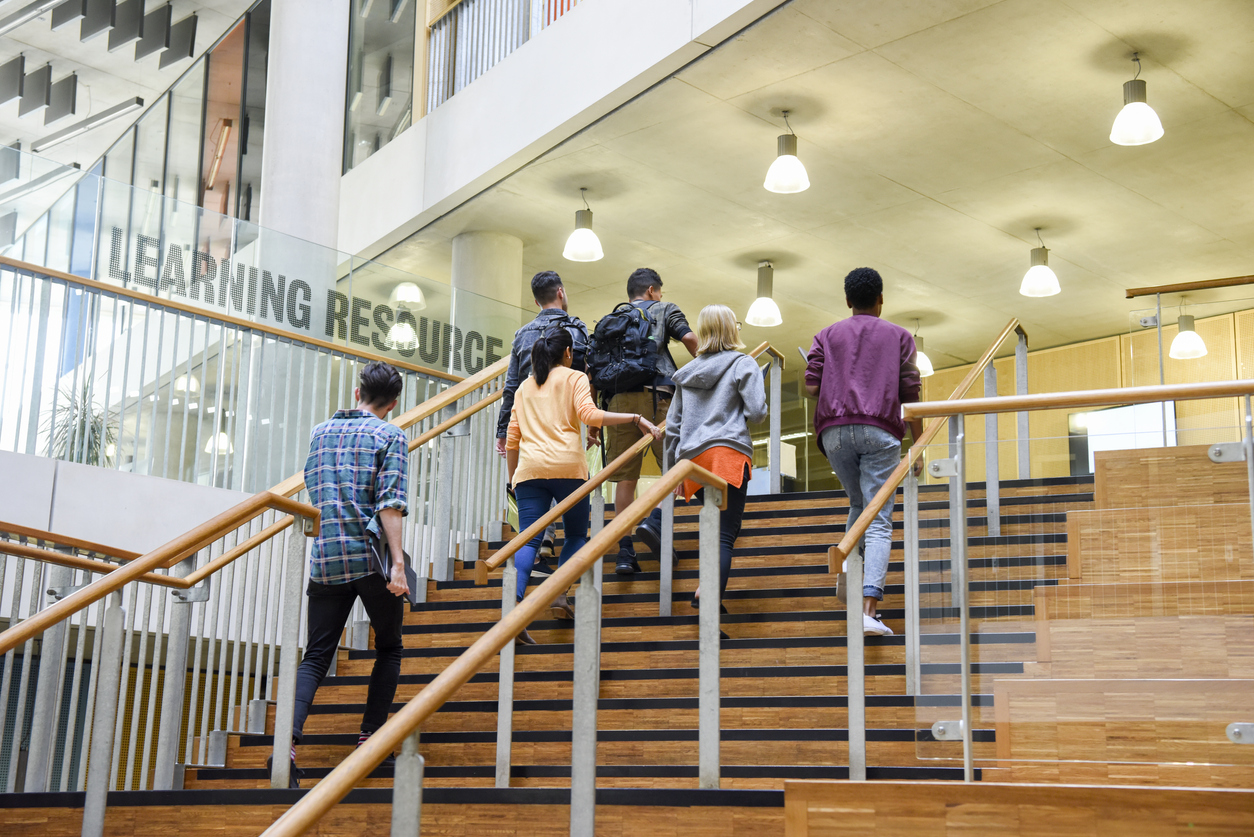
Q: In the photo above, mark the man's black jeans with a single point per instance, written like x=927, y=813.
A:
x=329, y=607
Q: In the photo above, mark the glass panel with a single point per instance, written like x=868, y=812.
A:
x=253, y=129
x=220, y=158
x=380, y=76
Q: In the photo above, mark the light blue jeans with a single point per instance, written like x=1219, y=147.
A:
x=863, y=456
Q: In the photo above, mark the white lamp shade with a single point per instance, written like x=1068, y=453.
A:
x=925, y=365
x=583, y=246
x=764, y=313
x=786, y=176
x=1188, y=344
x=1136, y=124
x=1040, y=280
x=402, y=336
x=409, y=296
x=186, y=383
x=222, y=441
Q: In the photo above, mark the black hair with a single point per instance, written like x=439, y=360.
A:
x=545, y=285
x=548, y=350
x=640, y=280
x=863, y=286
x=379, y=383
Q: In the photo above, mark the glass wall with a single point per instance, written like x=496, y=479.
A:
x=381, y=40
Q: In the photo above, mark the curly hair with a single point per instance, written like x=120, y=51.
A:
x=863, y=286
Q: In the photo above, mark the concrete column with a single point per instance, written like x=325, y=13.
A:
x=490, y=264
x=305, y=84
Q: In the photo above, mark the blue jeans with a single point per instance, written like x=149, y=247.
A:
x=862, y=457
x=535, y=498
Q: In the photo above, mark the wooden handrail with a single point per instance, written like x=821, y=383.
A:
x=65, y=540
x=331, y=789
x=770, y=350
x=1187, y=287
x=448, y=424
x=1079, y=398
x=482, y=568
x=858, y=528
x=166, y=555
x=77, y=562
x=151, y=299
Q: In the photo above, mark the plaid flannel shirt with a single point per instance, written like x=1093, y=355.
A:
x=357, y=465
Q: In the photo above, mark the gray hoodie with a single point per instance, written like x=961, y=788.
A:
x=716, y=396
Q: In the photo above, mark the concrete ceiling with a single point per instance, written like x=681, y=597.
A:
x=105, y=78
x=937, y=134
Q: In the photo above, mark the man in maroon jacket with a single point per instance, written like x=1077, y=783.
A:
x=860, y=371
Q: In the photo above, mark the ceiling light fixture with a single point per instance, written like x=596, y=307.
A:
x=786, y=175
x=221, y=442
x=1187, y=344
x=921, y=360
x=37, y=183
x=78, y=128
x=224, y=134
x=186, y=383
x=1040, y=280
x=583, y=244
x=407, y=296
x=402, y=336
x=1136, y=124
x=764, y=313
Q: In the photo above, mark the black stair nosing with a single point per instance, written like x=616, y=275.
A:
x=641, y=703
x=986, y=586
x=816, y=642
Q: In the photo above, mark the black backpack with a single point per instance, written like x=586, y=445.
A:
x=622, y=356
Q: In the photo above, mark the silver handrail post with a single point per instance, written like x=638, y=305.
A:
x=441, y=540
x=586, y=691
x=911, y=564
x=777, y=374
x=708, y=661
x=285, y=698
x=1248, y=444
x=666, y=568
x=175, y=680
x=1021, y=388
x=958, y=532
x=108, y=681
x=407, y=789
x=855, y=671
x=47, y=703
x=956, y=505
x=505, y=681
x=992, y=488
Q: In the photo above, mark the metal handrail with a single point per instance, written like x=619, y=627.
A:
x=856, y=530
x=482, y=568
x=336, y=785
x=1079, y=398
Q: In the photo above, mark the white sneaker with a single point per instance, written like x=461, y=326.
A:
x=872, y=626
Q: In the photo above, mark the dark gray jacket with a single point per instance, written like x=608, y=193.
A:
x=520, y=356
x=716, y=396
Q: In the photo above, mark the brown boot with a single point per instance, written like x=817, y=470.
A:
x=562, y=608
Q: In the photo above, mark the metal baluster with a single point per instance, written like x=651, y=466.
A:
x=128, y=644
x=505, y=682
x=441, y=559
x=211, y=583
x=992, y=488
x=175, y=681
x=407, y=789
x=1248, y=441
x=708, y=662
x=106, y=708
x=954, y=510
x=855, y=670
x=911, y=561
x=76, y=683
x=47, y=706
x=143, y=618
x=1021, y=388
x=777, y=375
x=89, y=720
x=169, y=407
x=958, y=533
x=587, y=688
x=285, y=701
x=666, y=575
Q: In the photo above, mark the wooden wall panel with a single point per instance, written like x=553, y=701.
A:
x=1156, y=477
x=946, y=809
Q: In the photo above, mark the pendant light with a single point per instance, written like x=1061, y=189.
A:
x=786, y=175
x=583, y=244
x=1136, y=124
x=405, y=297
x=1188, y=344
x=222, y=442
x=1040, y=280
x=921, y=360
x=764, y=313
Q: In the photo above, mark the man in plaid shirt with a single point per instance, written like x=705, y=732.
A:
x=356, y=471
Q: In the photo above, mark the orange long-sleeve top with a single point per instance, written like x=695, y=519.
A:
x=544, y=426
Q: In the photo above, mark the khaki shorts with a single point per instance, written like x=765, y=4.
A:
x=619, y=437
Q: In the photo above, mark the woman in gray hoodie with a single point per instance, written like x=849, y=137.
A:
x=716, y=396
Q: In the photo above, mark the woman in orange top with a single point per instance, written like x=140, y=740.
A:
x=544, y=450
x=716, y=396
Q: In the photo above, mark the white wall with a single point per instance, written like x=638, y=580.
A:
x=593, y=59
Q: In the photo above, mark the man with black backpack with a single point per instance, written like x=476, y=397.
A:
x=630, y=363
x=550, y=296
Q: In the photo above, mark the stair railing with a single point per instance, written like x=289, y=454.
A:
x=847, y=552
x=958, y=409
x=401, y=730
x=255, y=611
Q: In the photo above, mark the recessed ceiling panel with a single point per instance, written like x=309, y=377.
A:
x=62, y=100
x=36, y=88
x=156, y=32
x=182, y=42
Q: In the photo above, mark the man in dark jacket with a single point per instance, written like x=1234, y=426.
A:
x=861, y=370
